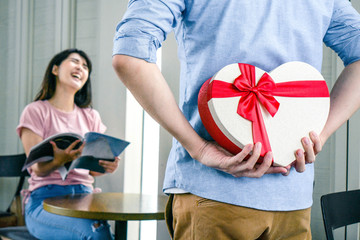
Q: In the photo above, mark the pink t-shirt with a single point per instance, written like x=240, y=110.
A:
x=45, y=120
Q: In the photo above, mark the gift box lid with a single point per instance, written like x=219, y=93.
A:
x=243, y=104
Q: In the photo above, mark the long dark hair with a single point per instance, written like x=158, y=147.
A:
x=48, y=86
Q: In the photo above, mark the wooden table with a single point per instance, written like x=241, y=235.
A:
x=120, y=207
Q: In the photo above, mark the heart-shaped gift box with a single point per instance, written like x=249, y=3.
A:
x=243, y=104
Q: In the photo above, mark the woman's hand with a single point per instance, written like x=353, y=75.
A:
x=62, y=156
x=109, y=166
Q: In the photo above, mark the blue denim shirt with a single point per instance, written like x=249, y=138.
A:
x=212, y=34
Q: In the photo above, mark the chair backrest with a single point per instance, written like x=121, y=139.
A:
x=340, y=209
x=10, y=166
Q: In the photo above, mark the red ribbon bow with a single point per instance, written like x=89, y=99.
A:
x=263, y=92
x=248, y=106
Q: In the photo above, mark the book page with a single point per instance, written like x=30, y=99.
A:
x=63, y=172
x=98, y=148
x=116, y=145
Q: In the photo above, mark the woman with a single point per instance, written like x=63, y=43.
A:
x=62, y=105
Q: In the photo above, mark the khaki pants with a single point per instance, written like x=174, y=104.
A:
x=190, y=217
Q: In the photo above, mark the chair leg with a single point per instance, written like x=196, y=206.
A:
x=8, y=221
x=16, y=208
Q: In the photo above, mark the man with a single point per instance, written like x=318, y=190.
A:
x=216, y=195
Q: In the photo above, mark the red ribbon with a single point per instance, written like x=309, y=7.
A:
x=252, y=95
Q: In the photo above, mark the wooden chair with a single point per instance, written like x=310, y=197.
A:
x=12, y=224
x=340, y=209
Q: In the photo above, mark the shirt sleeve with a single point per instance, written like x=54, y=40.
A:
x=343, y=34
x=32, y=118
x=145, y=26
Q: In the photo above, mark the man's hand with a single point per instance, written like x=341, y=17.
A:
x=240, y=165
x=312, y=147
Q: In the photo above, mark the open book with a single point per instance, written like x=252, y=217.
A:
x=97, y=147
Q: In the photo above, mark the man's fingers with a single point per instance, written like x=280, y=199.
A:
x=317, y=142
x=264, y=166
x=238, y=165
x=250, y=167
x=286, y=172
x=309, y=150
x=300, y=160
x=238, y=158
x=255, y=155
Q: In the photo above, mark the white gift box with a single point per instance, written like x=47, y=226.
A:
x=243, y=104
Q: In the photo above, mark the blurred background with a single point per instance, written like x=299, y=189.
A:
x=32, y=31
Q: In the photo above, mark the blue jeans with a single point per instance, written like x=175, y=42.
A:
x=45, y=225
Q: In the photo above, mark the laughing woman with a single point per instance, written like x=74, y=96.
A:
x=62, y=105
